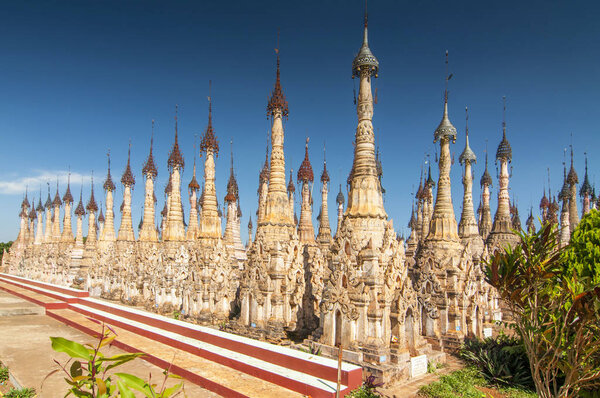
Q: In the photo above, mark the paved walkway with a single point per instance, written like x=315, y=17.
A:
x=25, y=348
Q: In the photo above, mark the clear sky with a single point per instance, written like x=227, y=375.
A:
x=80, y=77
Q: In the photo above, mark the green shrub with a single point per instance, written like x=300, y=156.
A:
x=501, y=360
x=20, y=393
x=3, y=374
x=367, y=389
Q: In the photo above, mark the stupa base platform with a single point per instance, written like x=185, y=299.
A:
x=225, y=363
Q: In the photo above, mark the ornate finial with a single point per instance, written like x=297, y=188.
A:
x=67, y=197
x=48, y=203
x=264, y=173
x=175, y=157
x=277, y=103
x=504, y=151
x=57, y=201
x=25, y=202
x=291, y=187
x=149, y=168
x=468, y=155
x=325, y=174
x=39, y=206
x=365, y=60
x=209, y=139
x=79, y=210
x=486, y=179
x=91, y=205
x=430, y=181
x=564, y=193
x=109, y=185
x=445, y=129
x=100, y=216
x=127, y=178
x=305, y=172
x=340, y=197
x=572, y=177
x=586, y=188
x=232, y=186
x=420, y=192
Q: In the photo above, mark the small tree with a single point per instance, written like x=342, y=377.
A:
x=554, y=307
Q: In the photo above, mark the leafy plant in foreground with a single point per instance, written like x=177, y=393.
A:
x=501, y=360
x=87, y=371
x=553, y=295
x=367, y=389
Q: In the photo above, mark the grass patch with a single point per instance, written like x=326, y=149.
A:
x=460, y=383
x=513, y=392
x=20, y=393
x=463, y=383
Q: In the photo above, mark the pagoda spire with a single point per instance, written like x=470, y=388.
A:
x=108, y=231
x=306, y=231
x=80, y=213
x=126, y=229
x=193, y=188
x=427, y=202
x=277, y=215
x=92, y=209
x=573, y=180
x=502, y=228
x=39, y=234
x=232, y=237
x=365, y=197
x=48, y=207
x=586, y=189
x=339, y=200
x=210, y=222
x=56, y=235
x=148, y=231
x=174, y=230
x=32, y=217
x=67, y=233
x=564, y=196
x=324, y=235
x=468, y=225
x=443, y=221
x=263, y=187
x=530, y=223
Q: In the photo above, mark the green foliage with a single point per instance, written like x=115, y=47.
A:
x=554, y=298
x=4, y=246
x=367, y=389
x=3, y=374
x=460, y=383
x=583, y=253
x=312, y=349
x=87, y=371
x=20, y=393
x=501, y=360
x=512, y=392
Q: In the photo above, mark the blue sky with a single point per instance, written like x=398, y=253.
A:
x=78, y=78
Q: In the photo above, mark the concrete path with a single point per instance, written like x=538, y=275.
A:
x=25, y=348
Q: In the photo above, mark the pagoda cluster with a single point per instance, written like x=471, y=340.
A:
x=383, y=299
